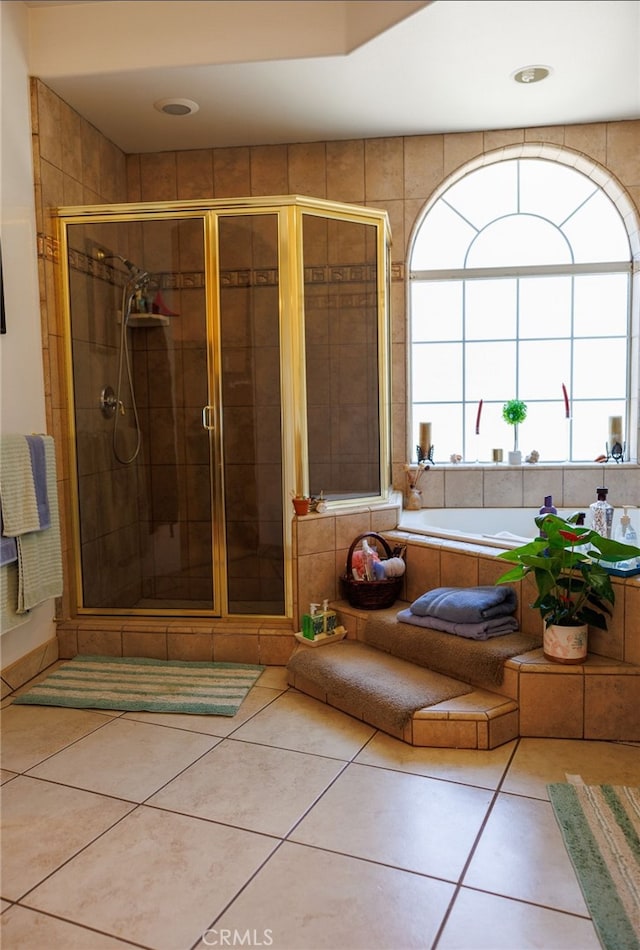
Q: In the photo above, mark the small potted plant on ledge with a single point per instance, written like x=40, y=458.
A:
x=574, y=589
x=301, y=503
x=514, y=412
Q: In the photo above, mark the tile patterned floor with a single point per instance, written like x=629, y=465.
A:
x=290, y=826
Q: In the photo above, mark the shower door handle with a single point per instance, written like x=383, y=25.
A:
x=207, y=413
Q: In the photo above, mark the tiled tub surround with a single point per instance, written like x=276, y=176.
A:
x=572, y=487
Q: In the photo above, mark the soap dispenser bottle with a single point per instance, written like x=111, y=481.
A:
x=312, y=623
x=330, y=618
x=548, y=508
x=601, y=514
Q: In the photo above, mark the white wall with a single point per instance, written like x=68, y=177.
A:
x=22, y=405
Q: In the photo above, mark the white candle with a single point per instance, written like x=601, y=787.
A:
x=425, y=437
x=615, y=431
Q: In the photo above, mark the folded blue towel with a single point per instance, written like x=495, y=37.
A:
x=466, y=604
x=485, y=630
x=39, y=469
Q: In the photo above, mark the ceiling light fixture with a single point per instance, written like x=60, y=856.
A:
x=531, y=74
x=176, y=106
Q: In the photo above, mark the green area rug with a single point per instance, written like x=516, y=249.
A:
x=134, y=684
x=600, y=825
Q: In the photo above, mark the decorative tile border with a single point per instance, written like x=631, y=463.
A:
x=48, y=248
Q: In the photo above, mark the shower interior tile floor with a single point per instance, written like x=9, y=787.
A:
x=290, y=825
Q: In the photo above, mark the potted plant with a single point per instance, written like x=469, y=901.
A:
x=574, y=589
x=301, y=503
x=514, y=412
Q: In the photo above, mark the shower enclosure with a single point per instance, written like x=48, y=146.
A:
x=221, y=357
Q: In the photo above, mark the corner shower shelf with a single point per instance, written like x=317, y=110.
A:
x=147, y=320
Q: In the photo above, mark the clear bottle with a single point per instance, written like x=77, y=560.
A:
x=601, y=514
x=626, y=533
x=368, y=561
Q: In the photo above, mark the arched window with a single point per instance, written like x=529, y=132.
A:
x=520, y=288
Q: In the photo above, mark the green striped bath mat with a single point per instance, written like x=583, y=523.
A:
x=137, y=683
x=600, y=825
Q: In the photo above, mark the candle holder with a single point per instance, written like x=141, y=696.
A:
x=617, y=451
x=424, y=456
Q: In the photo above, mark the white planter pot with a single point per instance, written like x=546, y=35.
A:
x=515, y=458
x=565, y=644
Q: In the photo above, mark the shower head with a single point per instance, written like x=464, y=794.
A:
x=133, y=269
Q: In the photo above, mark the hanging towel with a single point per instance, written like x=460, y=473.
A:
x=8, y=551
x=9, y=617
x=39, y=552
x=466, y=604
x=8, y=546
x=39, y=471
x=484, y=630
x=17, y=487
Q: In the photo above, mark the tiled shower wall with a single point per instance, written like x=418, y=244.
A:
x=395, y=174
x=73, y=164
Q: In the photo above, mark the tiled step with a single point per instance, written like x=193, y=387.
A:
x=386, y=692
x=481, y=663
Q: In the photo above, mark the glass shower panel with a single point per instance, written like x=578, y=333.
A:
x=342, y=354
x=251, y=413
x=140, y=380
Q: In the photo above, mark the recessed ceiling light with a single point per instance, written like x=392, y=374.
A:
x=531, y=74
x=176, y=106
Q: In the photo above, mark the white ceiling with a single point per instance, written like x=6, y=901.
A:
x=303, y=71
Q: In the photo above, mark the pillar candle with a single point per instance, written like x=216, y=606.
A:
x=425, y=437
x=615, y=431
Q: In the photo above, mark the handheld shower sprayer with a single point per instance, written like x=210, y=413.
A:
x=136, y=283
x=133, y=269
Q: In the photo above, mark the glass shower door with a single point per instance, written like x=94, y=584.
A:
x=140, y=380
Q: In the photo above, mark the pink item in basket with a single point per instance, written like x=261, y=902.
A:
x=358, y=564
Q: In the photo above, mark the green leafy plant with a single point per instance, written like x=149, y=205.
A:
x=565, y=561
x=514, y=412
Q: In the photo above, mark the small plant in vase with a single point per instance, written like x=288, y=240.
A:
x=514, y=412
x=574, y=589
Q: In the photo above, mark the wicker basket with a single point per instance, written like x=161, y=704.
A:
x=370, y=595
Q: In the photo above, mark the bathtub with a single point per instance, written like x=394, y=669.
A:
x=496, y=527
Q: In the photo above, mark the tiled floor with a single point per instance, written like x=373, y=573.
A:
x=289, y=826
